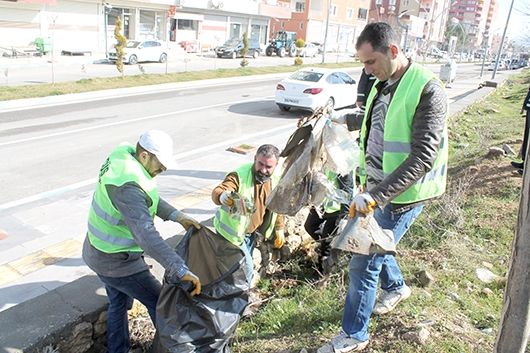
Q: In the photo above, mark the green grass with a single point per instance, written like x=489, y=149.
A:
x=96, y=84
x=472, y=226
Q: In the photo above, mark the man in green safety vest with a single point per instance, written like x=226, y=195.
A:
x=403, y=164
x=121, y=228
x=253, y=182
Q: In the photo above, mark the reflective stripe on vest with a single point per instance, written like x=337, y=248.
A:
x=107, y=231
x=234, y=228
x=398, y=136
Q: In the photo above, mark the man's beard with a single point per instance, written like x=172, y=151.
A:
x=262, y=178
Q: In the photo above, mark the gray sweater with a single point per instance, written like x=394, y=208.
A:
x=133, y=203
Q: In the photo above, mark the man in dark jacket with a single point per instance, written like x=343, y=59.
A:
x=524, y=145
x=364, y=86
x=121, y=228
x=403, y=142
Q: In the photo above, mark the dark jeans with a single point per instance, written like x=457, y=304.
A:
x=313, y=223
x=121, y=291
x=525, y=137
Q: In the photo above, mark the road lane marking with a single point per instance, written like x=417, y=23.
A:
x=178, y=156
x=128, y=121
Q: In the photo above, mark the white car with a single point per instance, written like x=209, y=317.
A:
x=311, y=88
x=140, y=51
x=309, y=50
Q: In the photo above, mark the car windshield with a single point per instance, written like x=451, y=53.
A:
x=231, y=42
x=132, y=44
x=307, y=76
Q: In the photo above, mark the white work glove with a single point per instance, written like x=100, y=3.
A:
x=279, y=239
x=225, y=199
x=363, y=202
x=190, y=277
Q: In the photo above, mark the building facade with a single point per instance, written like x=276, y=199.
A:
x=475, y=18
x=88, y=25
x=337, y=23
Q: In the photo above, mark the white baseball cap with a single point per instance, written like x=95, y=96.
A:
x=161, y=145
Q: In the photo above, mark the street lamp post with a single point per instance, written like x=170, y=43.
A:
x=326, y=34
x=502, y=43
x=106, y=10
x=405, y=27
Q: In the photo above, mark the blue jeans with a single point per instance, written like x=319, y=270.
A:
x=121, y=291
x=366, y=270
x=248, y=247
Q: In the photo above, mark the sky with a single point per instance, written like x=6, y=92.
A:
x=519, y=22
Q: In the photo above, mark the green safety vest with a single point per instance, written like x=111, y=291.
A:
x=398, y=138
x=331, y=206
x=234, y=228
x=107, y=231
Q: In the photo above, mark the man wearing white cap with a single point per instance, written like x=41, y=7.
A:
x=121, y=228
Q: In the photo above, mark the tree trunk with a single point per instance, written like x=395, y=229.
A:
x=514, y=326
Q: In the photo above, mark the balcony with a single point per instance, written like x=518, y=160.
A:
x=275, y=11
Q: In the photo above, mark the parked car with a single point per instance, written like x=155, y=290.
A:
x=141, y=51
x=233, y=47
x=309, y=50
x=311, y=88
x=503, y=65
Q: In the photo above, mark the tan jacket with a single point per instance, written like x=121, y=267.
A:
x=261, y=191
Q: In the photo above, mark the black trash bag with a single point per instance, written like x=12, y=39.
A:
x=207, y=322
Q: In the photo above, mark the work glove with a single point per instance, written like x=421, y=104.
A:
x=362, y=202
x=225, y=198
x=186, y=221
x=190, y=277
x=279, y=239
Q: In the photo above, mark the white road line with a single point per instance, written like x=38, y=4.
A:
x=178, y=156
x=132, y=120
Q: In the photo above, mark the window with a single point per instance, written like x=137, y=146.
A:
x=362, y=14
x=333, y=10
x=299, y=6
x=334, y=79
x=301, y=25
x=349, y=14
x=187, y=25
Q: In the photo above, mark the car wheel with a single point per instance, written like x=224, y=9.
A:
x=219, y=55
x=234, y=55
x=330, y=103
x=133, y=59
x=284, y=108
x=268, y=51
x=255, y=54
x=163, y=58
x=281, y=53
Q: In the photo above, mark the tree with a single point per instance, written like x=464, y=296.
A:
x=120, y=45
x=299, y=43
x=244, y=50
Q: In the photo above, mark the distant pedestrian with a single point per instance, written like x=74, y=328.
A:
x=121, y=228
x=524, y=145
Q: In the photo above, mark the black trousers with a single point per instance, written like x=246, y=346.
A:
x=313, y=224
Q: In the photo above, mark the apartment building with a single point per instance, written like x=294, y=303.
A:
x=336, y=22
x=475, y=18
x=88, y=25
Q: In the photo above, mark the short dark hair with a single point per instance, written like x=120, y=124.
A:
x=268, y=151
x=379, y=34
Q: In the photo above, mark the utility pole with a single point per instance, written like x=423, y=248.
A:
x=326, y=34
x=502, y=43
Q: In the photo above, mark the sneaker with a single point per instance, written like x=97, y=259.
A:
x=389, y=300
x=343, y=344
x=520, y=171
x=518, y=165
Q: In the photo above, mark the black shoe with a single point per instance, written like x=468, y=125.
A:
x=520, y=171
x=519, y=165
